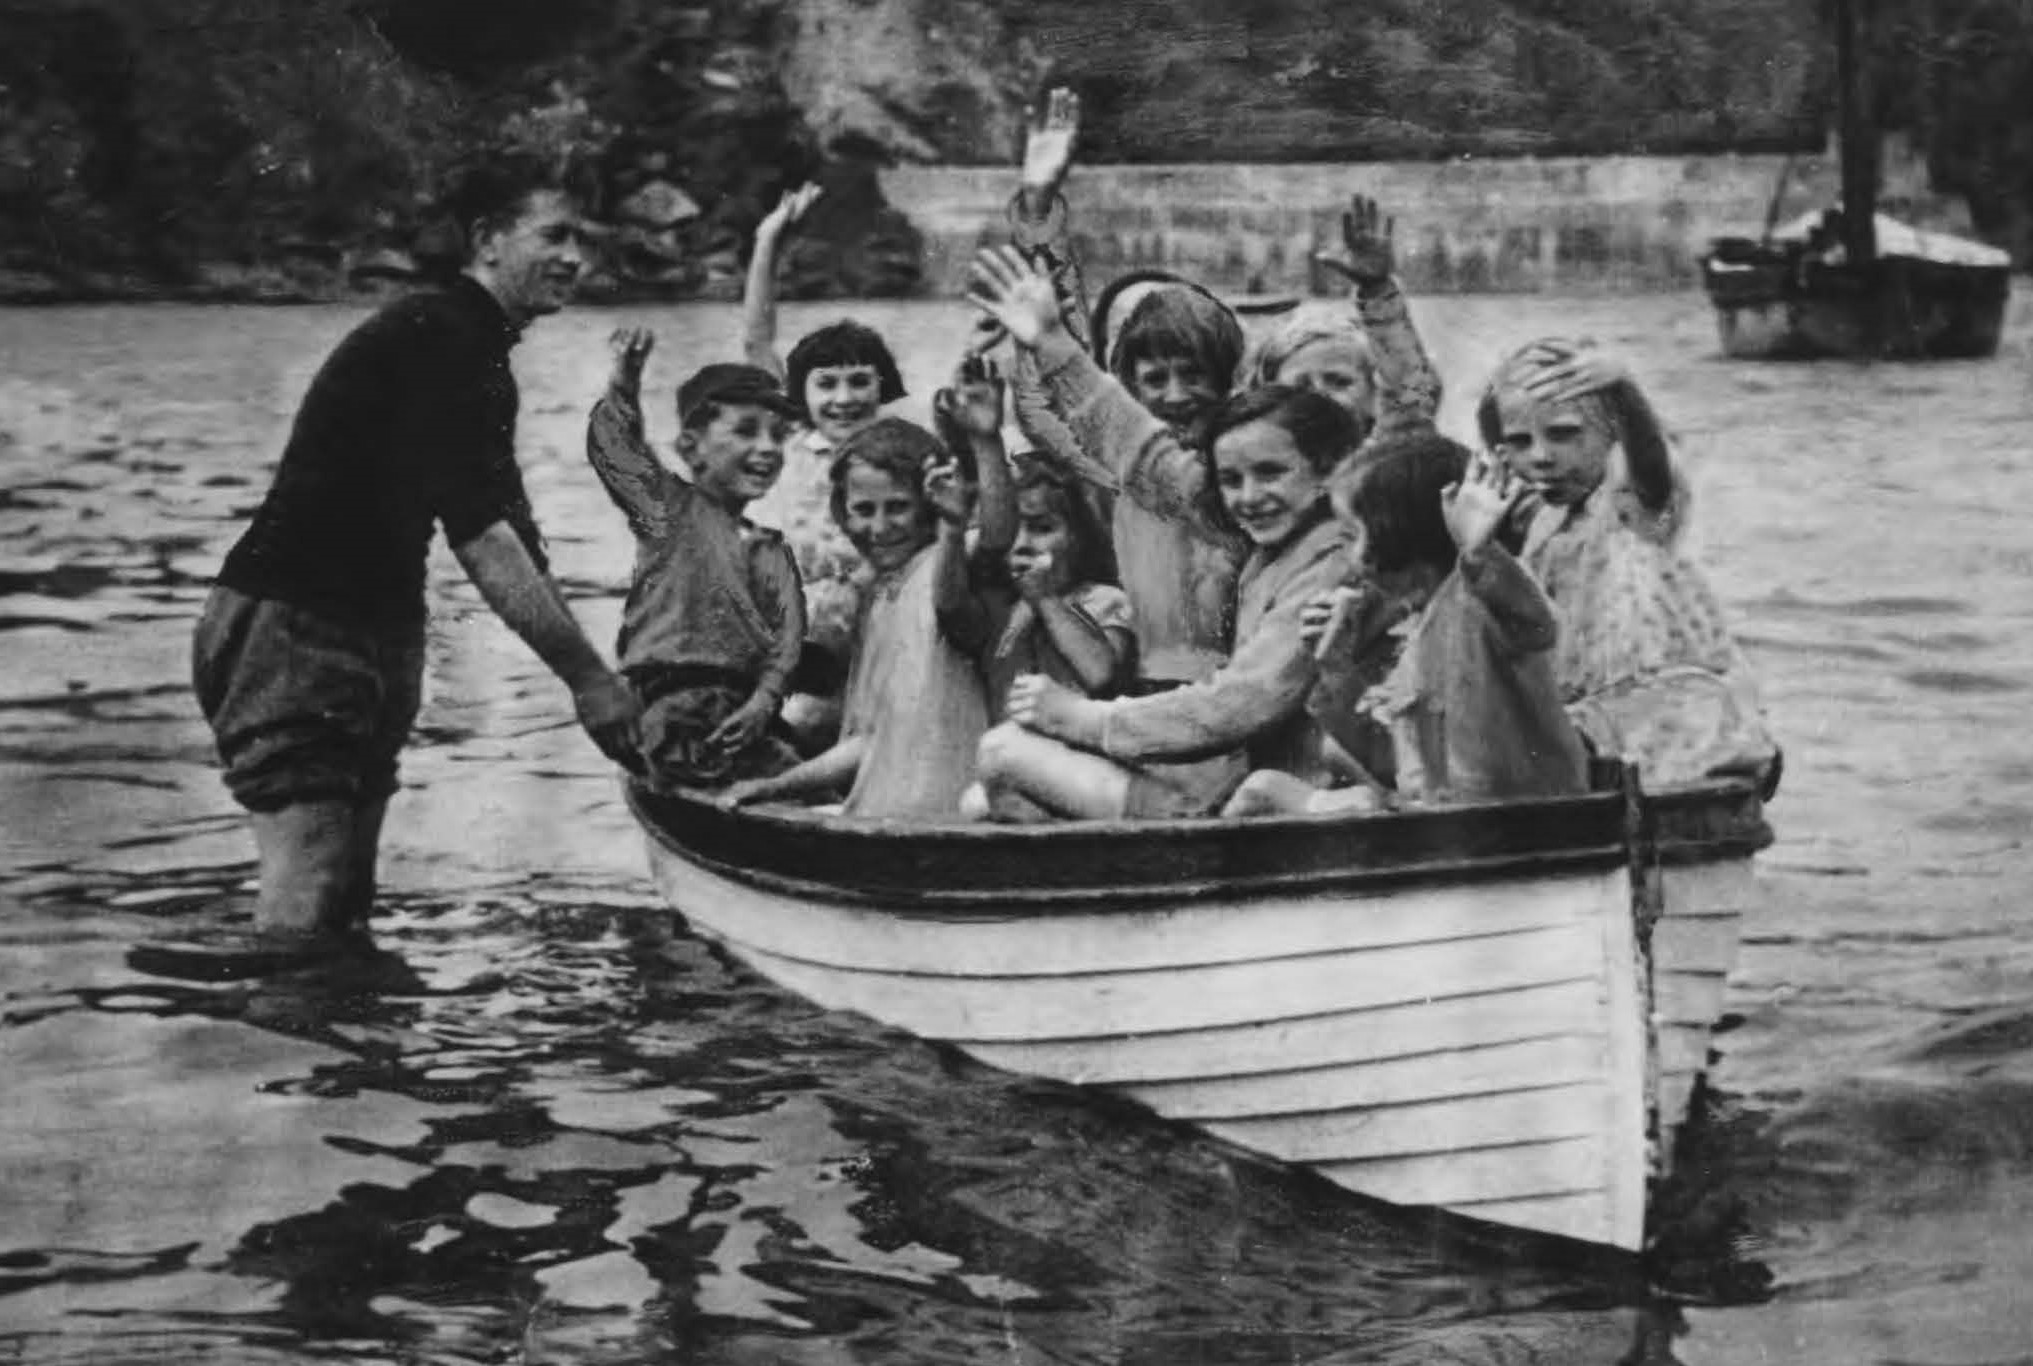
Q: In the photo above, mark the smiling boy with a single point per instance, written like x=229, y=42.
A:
x=715, y=618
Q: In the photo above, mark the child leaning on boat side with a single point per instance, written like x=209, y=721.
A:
x=1470, y=703
x=839, y=377
x=914, y=708
x=1033, y=597
x=715, y=617
x=1367, y=357
x=1646, y=662
x=1178, y=350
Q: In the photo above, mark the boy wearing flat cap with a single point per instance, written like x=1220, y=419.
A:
x=715, y=618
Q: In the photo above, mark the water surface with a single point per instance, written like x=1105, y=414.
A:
x=596, y=1140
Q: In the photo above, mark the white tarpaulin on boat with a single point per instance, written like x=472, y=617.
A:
x=1900, y=239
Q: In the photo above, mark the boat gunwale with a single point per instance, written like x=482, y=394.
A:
x=976, y=863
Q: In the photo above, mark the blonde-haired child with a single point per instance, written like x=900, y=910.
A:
x=1646, y=662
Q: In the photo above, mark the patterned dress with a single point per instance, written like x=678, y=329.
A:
x=1645, y=661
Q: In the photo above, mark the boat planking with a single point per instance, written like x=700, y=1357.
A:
x=1498, y=1009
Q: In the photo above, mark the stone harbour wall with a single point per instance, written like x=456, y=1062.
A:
x=1462, y=226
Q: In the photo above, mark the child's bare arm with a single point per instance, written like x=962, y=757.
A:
x=618, y=447
x=758, y=296
x=962, y=616
x=1095, y=653
x=971, y=412
x=1039, y=215
x=826, y=772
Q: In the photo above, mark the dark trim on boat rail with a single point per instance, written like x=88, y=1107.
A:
x=1085, y=866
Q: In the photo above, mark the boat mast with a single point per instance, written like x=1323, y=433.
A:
x=1859, y=139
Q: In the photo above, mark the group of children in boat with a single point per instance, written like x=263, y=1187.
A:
x=1222, y=576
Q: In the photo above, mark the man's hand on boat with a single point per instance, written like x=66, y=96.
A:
x=1016, y=294
x=612, y=716
x=1051, y=708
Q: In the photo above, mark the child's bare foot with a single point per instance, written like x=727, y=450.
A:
x=1267, y=792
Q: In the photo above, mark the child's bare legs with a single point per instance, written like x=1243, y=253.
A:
x=1269, y=792
x=813, y=721
x=1345, y=799
x=1004, y=807
x=1015, y=763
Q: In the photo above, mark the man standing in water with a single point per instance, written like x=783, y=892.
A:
x=308, y=660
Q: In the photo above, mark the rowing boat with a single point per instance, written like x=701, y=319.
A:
x=1500, y=1010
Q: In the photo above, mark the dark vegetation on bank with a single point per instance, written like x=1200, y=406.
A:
x=286, y=148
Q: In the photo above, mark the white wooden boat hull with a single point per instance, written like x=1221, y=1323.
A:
x=1487, y=1045
x=1480, y=1048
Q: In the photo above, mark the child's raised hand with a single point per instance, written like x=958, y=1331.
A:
x=1574, y=372
x=1325, y=620
x=1048, y=148
x=986, y=336
x=631, y=347
x=789, y=210
x=1368, y=255
x=974, y=403
x=1477, y=506
x=1016, y=294
x=948, y=491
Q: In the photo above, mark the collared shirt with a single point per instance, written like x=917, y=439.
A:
x=710, y=587
x=408, y=426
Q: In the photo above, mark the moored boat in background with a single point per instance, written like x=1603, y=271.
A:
x=1850, y=282
x=1802, y=293
x=1500, y=1010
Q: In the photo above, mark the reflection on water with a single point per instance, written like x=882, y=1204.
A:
x=576, y=1133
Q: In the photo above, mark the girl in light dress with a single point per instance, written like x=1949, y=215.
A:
x=914, y=708
x=1036, y=593
x=1646, y=662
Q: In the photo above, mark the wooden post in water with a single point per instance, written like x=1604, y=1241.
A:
x=1859, y=138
